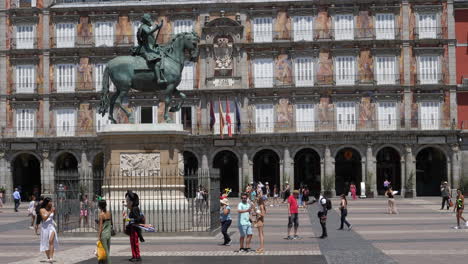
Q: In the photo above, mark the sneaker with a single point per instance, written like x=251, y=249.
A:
x=456, y=227
x=228, y=243
x=288, y=238
x=242, y=250
x=322, y=237
x=350, y=227
x=250, y=250
x=31, y=227
x=296, y=237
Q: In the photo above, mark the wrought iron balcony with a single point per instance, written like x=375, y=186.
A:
x=23, y=43
x=25, y=88
x=429, y=32
x=428, y=79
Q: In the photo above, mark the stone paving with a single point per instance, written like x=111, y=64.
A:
x=419, y=234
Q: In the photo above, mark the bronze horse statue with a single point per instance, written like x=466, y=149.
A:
x=133, y=72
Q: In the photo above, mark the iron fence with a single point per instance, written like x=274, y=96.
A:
x=171, y=201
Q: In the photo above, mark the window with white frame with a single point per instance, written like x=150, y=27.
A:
x=232, y=115
x=385, y=26
x=147, y=114
x=385, y=69
x=305, y=118
x=303, y=27
x=104, y=34
x=264, y=118
x=428, y=69
x=387, y=115
x=344, y=27
x=25, y=118
x=65, y=78
x=25, y=78
x=64, y=35
x=183, y=25
x=136, y=25
x=345, y=70
x=263, y=29
x=263, y=73
x=99, y=76
x=65, y=122
x=304, y=71
x=101, y=121
x=429, y=115
x=346, y=116
x=427, y=25
x=187, y=76
x=25, y=36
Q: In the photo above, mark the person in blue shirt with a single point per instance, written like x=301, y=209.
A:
x=17, y=199
x=226, y=220
x=245, y=227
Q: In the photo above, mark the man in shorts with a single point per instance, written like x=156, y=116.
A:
x=245, y=227
x=293, y=212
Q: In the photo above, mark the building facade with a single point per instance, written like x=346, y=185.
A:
x=322, y=93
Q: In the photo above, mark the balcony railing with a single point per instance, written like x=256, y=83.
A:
x=24, y=88
x=424, y=79
x=24, y=43
x=429, y=32
x=248, y=128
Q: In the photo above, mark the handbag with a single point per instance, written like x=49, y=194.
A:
x=100, y=251
x=450, y=203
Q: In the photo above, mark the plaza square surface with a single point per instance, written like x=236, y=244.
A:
x=419, y=234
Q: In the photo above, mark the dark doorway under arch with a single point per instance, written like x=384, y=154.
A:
x=266, y=168
x=98, y=174
x=388, y=167
x=190, y=174
x=431, y=170
x=228, y=165
x=347, y=170
x=27, y=175
x=307, y=170
x=67, y=177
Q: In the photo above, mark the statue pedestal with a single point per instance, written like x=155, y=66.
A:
x=147, y=159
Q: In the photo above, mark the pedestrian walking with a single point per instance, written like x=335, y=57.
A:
x=267, y=190
x=226, y=221
x=84, y=210
x=260, y=222
x=49, y=239
x=16, y=199
x=199, y=199
x=300, y=195
x=386, y=184
x=391, y=201
x=105, y=229
x=244, y=225
x=38, y=215
x=275, y=195
x=293, y=215
x=324, y=205
x=135, y=218
x=352, y=189
x=286, y=192
x=32, y=210
x=344, y=212
x=445, y=193
x=460, y=206
x=305, y=196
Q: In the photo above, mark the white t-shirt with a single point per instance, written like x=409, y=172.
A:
x=31, y=208
x=322, y=202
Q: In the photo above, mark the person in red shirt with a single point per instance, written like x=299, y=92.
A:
x=293, y=210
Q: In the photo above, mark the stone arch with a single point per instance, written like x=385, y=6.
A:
x=444, y=149
x=228, y=164
x=348, y=169
x=354, y=147
x=431, y=170
x=266, y=167
x=258, y=149
x=191, y=163
x=26, y=173
x=400, y=151
x=59, y=153
x=307, y=166
x=388, y=161
x=218, y=150
x=297, y=149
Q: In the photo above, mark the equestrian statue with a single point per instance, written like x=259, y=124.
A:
x=151, y=67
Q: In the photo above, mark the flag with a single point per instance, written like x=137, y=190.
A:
x=212, y=116
x=221, y=118
x=238, y=117
x=199, y=116
x=228, y=118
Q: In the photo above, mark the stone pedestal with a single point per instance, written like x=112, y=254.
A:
x=147, y=159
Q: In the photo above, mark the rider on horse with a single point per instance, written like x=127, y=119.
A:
x=148, y=48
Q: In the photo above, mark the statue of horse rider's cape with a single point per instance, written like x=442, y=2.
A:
x=148, y=48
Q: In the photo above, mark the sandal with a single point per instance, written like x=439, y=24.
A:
x=260, y=250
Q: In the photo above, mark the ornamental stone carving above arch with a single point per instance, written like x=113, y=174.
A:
x=222, y=26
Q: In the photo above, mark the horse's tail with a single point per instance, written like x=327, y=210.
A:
x=104, y=106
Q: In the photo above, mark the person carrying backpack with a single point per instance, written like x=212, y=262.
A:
x=324, y=204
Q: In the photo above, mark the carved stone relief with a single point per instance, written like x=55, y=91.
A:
x=140, y=164
x=223, y=56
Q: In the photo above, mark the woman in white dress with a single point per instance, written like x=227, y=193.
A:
x=49, y=240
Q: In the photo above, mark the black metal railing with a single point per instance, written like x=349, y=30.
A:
x=25, y=88
x=171, y=200
x=23, y=43
x=429, y=32
x=429, y=78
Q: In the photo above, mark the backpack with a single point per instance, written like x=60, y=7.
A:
x=328, y=203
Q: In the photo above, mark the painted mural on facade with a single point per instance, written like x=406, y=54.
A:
x=325, y=113
x=365, y=68
x=325, y=68
x=364, y=25
x=367, y=113
x=283, y=70
x=282, y=26
x=84, y=31
x=124, y=31
x=284, y=114
x=85, y=119
x=85, y=75
x=322, y=24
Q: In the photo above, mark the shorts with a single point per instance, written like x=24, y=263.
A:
x=293, y=220
x=245, y=230
x=83, y=212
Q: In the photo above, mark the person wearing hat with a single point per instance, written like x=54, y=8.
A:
x=445, y=193
x=148, y=48
x=226, y=220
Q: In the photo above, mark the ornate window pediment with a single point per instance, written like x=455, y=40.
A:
x=222, y=26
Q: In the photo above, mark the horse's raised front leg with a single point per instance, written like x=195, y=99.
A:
x=181, y=102
x=167, y=101
x=111, y=107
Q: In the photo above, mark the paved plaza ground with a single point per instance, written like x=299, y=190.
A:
x=419, y=234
